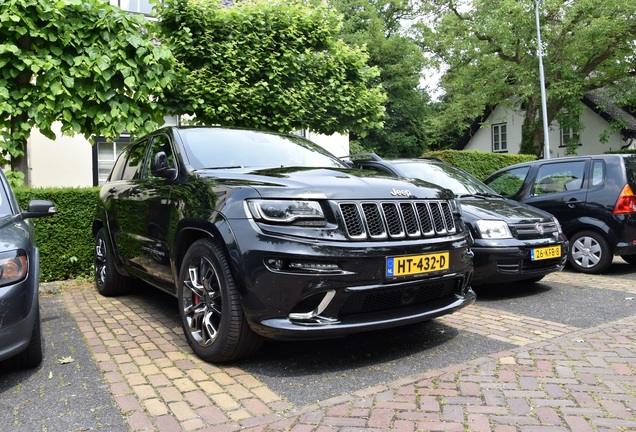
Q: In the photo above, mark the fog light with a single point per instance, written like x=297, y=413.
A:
x=276, y=264
x=320, y=267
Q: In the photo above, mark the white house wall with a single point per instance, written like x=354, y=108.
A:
x=482, y=140
x=65, y=162
x=336, y=144
x=589, y=136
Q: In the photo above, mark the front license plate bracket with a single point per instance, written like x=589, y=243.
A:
x=409, y=265
x=542, y=253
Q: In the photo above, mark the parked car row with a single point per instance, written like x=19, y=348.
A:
x=262, y=235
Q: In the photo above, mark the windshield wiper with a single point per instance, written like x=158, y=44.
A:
x=225, y=167
x=478, y=195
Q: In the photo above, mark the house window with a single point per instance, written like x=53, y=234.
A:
x=139, y=6
x=568, y=135
x=499, y=138
x=104, y=155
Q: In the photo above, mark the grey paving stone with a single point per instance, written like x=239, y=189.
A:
x=66, y=392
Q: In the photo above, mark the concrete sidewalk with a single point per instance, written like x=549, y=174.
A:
x=518, y=373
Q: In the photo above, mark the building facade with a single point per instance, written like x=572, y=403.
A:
x=499, y=130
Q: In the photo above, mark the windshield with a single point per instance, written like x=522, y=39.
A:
x=234, y=148
x=5, y=204
x=445, y=175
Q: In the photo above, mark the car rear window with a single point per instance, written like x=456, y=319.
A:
x=598, y=172
x=630, y=166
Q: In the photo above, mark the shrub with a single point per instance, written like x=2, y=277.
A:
x=65, y=240
x=478, y=163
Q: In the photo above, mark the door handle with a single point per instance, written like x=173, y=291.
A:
x=135, y=191
x=573, y=202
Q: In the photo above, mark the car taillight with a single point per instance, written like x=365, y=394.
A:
x=626, y=202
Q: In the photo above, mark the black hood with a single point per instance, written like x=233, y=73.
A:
x=325, y=183
x=475, y=208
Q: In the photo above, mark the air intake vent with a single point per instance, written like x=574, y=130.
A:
x=369, y=220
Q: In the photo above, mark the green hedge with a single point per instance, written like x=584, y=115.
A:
x=65, y=239
x=478, y=163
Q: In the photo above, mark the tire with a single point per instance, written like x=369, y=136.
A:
x=34, y=353
x=108, y=281
x=631, y=259
x=589, y=252
x=211, y=314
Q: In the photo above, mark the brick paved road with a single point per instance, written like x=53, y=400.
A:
x=557, y=356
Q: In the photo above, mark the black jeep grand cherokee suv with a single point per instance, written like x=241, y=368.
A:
x=267, y=235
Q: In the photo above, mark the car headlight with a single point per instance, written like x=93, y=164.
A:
x=493, y=229
x=287, y=212
x=14, y=267
x=558, y=225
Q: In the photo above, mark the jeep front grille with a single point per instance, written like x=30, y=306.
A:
x=398, y=220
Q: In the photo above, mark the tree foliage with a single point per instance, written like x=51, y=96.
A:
x=88, y=65
x=490, y=51
x=269, y=64
x=378, y=25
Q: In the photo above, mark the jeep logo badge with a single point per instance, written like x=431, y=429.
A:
x=401, y=192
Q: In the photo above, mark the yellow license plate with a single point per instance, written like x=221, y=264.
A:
x=545, y=253
x=416, y=264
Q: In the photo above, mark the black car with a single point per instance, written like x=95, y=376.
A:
x=513, y=242
x=265, y=235
x=20, y=335
x=592, y=196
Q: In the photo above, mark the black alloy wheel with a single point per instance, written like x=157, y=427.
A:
x=209, y=304
x=108, y=280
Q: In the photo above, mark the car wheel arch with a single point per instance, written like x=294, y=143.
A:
x=586, y=223
x=189, y=234
x=99, y=224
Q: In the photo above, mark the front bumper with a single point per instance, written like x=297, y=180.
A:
x=18, y=311
x=512, y=263
x=295, y=288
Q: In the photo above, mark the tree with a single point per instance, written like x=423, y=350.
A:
x=378, y=25
x=269, y=64
x=88, y=65
x=490, y=51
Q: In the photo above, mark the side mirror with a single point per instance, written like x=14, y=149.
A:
x=39, y=208
x=159, y=166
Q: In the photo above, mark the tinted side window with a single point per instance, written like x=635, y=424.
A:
x=509, y=182
x=559, y=177
x=160, y=143
x=134, y=158
x=598, y=172
x=118, y=168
